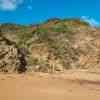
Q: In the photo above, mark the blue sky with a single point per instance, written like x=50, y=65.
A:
x=35, y=11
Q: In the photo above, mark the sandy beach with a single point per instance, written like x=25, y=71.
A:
x=38, y=86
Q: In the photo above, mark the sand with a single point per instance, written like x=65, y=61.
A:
x=72, y=85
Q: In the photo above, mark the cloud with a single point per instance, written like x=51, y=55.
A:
x=90, y=20
x=10, y=5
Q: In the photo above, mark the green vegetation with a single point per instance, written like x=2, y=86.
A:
x=41, y=30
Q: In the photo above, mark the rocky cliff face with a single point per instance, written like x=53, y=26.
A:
x=56, y=45
x=8, y=56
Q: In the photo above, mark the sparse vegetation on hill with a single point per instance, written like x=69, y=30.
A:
x=55, y=45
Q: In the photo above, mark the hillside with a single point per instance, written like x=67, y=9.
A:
x=56, y=45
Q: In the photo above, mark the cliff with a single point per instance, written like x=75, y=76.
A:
x=56, y=45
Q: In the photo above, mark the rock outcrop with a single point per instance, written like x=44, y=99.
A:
x=11, y=60
x=56, y=45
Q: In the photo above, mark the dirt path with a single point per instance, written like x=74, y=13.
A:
x=74, y=86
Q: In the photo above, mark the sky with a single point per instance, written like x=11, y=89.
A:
x=37, y=11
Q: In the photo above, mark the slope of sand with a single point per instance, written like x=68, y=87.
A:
x=72, y=85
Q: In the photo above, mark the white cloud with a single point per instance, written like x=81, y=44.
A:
x=10, y=5
x=90, y=20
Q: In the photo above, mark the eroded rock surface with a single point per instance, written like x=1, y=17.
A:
x=56, y=45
